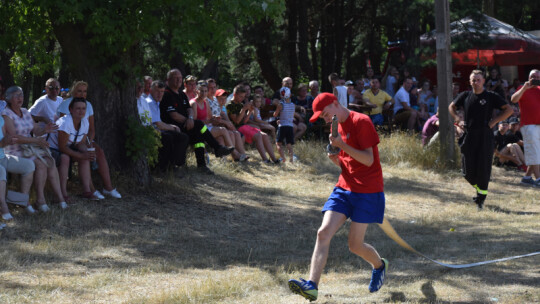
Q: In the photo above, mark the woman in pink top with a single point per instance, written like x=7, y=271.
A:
x=202, y=111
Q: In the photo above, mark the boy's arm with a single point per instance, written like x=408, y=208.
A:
x=364, y=157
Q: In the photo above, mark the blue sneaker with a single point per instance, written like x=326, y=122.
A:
x=378, y=276
x=304, y=288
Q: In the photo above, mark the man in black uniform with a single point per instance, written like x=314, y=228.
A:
x=175, y=109
x=477, y=141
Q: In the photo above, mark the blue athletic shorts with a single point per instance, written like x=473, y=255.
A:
x=360, y=207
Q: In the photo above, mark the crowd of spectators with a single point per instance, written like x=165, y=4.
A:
x=41, y=144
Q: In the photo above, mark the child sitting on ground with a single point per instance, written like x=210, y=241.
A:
x=285, y=134
x=256, y=120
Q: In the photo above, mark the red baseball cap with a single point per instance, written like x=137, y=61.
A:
x=321, y=101
x=221, y=92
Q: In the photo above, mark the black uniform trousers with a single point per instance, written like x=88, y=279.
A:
x=198, y=135
x=477, y=156
x=173, y=151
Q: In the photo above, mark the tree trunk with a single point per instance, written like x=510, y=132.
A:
x=303, y=56
x=112, y=101
x=339, y=31
x=292, y=31
x=210, y=69
x=263, y=52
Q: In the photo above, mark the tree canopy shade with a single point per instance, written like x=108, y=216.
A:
x=101, y=42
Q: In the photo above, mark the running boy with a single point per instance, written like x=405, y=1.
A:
x=285, y=134
x=358, y=193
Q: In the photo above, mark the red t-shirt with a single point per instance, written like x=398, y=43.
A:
x=358, y=132
x=529, y=106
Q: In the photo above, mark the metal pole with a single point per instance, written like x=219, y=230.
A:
x=444, y=80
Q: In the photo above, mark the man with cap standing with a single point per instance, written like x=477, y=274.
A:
x=358, y=193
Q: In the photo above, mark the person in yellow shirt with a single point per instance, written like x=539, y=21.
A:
x=378, y=98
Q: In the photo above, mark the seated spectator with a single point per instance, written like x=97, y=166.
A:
x=256, y=121
x=175, y=109
x=286, y=82
x=147, y=85
x=172, y=155
x=247, y=86
x=70, y=143
x=313, y=92
x=404, y=114
x=239, y=114
x=455, y=90
x=505, y=152
x=513, y=89
x=13, y=164
x=301, y=96
x=219, y=111
x=190, y=84
x=202, y=111
x=514, y=143
x=2, y=101
x=19, y=124
x=378, y=98
x=80, y=90
x=260, y=90
x=44, y=108
x=433, y=102
x=424, y=93
x=430, y=128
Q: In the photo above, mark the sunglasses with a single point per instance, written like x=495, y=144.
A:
x=53, y=88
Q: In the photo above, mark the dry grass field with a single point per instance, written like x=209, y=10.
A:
x=238, y=236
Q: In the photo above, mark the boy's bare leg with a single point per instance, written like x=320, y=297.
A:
x=357, y=246
x=331, y=223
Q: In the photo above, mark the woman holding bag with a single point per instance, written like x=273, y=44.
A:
x=19, y=123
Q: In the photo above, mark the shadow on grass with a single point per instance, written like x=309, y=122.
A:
x=186, y=224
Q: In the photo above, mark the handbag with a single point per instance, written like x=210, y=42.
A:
x=29, y=150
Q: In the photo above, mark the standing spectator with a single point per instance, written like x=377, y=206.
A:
x=455, y=89
x=367, y=80
x=511, y=90
x=390, y=80
x=172, y=155
x=285, y=133
x=147, y=85
x=338, y=90
x=19, y=123
x=44, y=108
x=528, y=97
x=496, y=84
x=477, y=142
x=175, y=109
x=404, y=114
x=239, y=114
x=380, y=99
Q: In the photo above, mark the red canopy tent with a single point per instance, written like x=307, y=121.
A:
x=505, y=46
x=509, y=45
